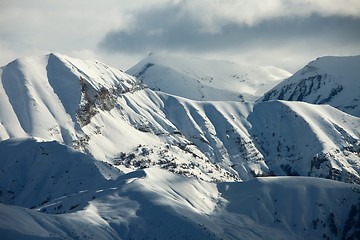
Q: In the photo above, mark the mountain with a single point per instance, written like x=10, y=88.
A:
x=49, y=171
x=78, y=197
x=209, y=80
x=52, y=96
x=88, y=151
x=298, y=138
x=327, y=80
x=95, y=109
x=113, y=117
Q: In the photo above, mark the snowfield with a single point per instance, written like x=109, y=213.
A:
x=172, y=152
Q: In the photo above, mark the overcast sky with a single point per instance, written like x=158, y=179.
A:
x=282, y=33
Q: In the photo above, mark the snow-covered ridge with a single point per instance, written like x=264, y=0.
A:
x=188, y=169
x=92, y=108
x=50, y=96
x=111, y=116
x=35, y=173
x=307, y=140
x=200, y=79
x=72, y=196
x=326, y=80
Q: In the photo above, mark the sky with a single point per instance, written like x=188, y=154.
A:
x=282, y=33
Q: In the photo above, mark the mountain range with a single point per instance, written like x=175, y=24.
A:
x=179, y=148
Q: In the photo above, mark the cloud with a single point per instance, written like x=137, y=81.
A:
x=228, y=26
x=70, y=27
x=253, y=12
x=130, y=29
x=212, y=15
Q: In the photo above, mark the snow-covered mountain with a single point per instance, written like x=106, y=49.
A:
x=308, y=140
x=113, y=117
x=200, y=79
x=95, y=109
x=327, y=80
x=84, y=145
x=73, y=196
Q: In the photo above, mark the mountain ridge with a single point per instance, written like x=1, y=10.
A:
x=209, y=80
x=326, y=80
x=91, y=152
x=211, y=140
x=153, y=202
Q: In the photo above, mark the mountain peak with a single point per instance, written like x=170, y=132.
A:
x=55, y=87
x=326, y=80
x=209, y=80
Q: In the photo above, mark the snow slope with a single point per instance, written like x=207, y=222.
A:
x=40, y=96
x=34, y=173
x=112, y=117
x=200, y=79
x=155, y=203
x=326, y=80
x=92, y=108
x=188, y=169
x=298, y=138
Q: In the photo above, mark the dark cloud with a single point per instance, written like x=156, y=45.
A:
x=172, y=29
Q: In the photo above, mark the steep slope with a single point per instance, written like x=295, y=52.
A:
x=258, y=140
x=95, y=109
x=52, y=96
x=36, y=174
x=327, y=80
x=76, y=113
x=115, y=119
x=200, y=79
x=308, y=140
x=154, y=203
